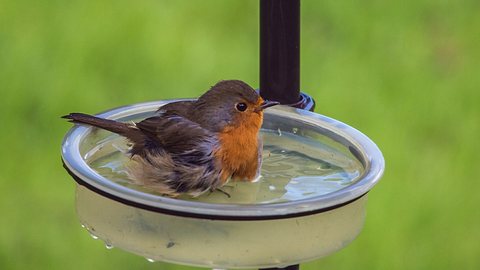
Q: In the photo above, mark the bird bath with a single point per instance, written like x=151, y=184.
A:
x=262, y=225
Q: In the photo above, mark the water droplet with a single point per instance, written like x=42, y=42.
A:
x=93, y=235
x=150, y=260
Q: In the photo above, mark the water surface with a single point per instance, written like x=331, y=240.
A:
x=294, y=168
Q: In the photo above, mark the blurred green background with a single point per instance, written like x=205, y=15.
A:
x=405, y=73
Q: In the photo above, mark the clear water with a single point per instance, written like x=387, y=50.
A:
x=294, y=168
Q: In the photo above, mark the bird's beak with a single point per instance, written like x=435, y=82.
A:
x=267, y=104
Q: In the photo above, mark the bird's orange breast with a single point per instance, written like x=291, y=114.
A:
x=238, y=150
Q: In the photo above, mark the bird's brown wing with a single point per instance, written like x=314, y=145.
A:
x=176, y=155
x=170, y=154
x=176, y=135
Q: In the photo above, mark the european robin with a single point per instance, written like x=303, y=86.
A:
x=190, y=147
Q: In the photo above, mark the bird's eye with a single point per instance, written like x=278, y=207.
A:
x=241, y=106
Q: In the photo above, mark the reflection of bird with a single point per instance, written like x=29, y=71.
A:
x=194, y=146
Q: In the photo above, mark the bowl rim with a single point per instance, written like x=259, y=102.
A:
x=364, y=149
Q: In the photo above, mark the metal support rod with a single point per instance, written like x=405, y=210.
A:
x=280, y=58
x=280, y=53
x=292, y=267
x=280, y=50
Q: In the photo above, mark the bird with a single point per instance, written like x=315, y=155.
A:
x=194, y=146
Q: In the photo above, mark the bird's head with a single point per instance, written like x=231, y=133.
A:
x=230, y=104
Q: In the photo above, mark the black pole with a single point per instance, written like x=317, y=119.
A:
x=280, y=50
x=280, y=53
x=280, y=58
x=292, y=267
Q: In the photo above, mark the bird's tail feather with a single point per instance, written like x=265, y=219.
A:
x=123, y=129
